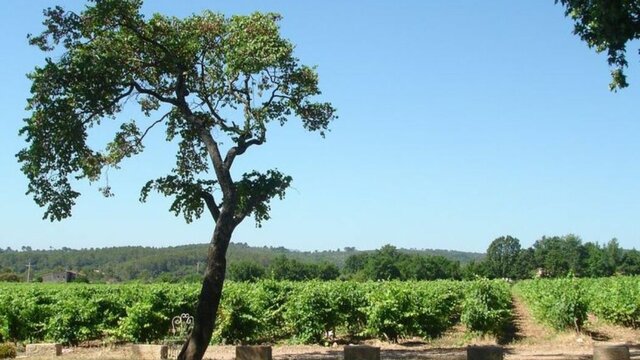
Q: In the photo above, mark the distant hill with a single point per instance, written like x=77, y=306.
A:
x=147, y=263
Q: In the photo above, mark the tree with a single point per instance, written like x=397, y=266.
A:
x=607, y=25
x=526, y=264
x=283, y=268
x=502, y=257
x=215, y=83
x=326, y=271
x=246, y=271
x=630, y=263
x=474, y=270
x=559, y=255
x=355, y=263
x=595, y=263
x=383, y=264
x=614, y=254
x=430, y=267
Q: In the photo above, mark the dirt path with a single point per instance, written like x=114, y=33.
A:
x=527, y=330
x=532, y=340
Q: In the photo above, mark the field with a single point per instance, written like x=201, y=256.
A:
x=437, y=319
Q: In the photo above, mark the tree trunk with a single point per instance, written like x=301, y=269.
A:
x=210, y=294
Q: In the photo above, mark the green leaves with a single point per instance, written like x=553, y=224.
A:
x=399, y=309
x=253, y=43
x=218, y=80
x=607, y=25
x=188, y=194
x=559, y=303
x=487, y=306
x=255, y=192
x=616, y=300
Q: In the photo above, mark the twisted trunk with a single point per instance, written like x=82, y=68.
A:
x=211, y=292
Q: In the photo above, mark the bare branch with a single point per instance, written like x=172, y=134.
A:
x=139, y=140
x=155, y=94
x=240, y=149
x=236, y=93
x=211, y=204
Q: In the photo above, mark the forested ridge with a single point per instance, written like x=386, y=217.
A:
x=126, y=263
x=554, y=256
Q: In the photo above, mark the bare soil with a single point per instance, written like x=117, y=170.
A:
x=524, y=339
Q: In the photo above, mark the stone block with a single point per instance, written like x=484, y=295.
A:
x=43, y=350
x=611, y=352
x=149, y=352
x=256, y=352
x=485, y=353
x=361, y=352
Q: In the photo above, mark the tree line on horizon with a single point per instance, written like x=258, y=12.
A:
x=555, y=256
x=179, y=263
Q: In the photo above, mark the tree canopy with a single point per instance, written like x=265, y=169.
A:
x=196, y=75
x=502, y=257
x=216, y=83
x=607, y=25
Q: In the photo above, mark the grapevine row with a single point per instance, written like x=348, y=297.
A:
x=267, y=311
x=566, y=303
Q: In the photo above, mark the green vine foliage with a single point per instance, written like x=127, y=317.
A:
x=242, y=315
x=399, y=309
x=303, y=312
x=560, y=303
x=487, y=306
x=616, y=300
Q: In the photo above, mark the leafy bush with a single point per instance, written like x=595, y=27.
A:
x=7, y=351
x=73, y=320
x=148, y=315
x=559, y=303
x=351, y=303
x=390, y=312
x=313, y=310
x=398, y=309
x=617, y=300
x=486, y=307
x=265, y=311
x=241, y=314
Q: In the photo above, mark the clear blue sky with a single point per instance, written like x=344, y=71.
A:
x=459, y=122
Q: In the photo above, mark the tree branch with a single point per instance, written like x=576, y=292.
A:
x=142, y=37
x=246, y=100
x=239, y=150
x=155, y=94
x=152, y=125
x=204, y=96
x=222, y=173
x=111, y=104
x=211, y=204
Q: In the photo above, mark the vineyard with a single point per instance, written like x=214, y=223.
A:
x=565, y=303
x=306, y=312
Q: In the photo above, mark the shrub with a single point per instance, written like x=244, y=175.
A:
x=559, y=303
x=616, y=300
x=486, y=307
x=7, y=351
x=398, y=309
x=241, y=314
